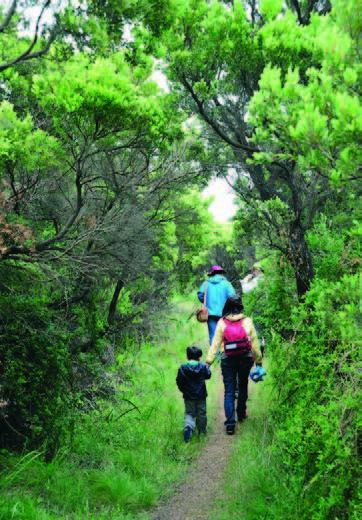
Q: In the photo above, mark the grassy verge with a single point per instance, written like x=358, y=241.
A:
x=256, y=488
x=126, y=455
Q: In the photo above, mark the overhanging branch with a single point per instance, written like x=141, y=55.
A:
x=28, y=54
x=212, y=123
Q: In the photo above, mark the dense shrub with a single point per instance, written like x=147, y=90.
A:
x=35, y=371
x=316, y=414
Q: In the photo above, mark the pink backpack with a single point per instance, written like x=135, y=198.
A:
x=236, y=340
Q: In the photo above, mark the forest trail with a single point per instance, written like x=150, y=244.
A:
x=194, y=499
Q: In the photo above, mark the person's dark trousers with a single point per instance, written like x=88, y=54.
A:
x=211, y=324
x=195, y=415
x=230, y=368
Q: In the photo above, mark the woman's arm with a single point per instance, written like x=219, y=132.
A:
x=201, y=293
x=216, y=342
x=255, y=346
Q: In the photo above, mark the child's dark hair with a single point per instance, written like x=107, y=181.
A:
x=193, y=353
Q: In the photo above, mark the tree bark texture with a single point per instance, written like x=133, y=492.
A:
x=113, y=305
x=300, y=259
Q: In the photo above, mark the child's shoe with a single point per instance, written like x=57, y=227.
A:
x=230, y=430
x=187, y=433
x=202, y=431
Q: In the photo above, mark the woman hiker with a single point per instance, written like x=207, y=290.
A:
x=236, y=339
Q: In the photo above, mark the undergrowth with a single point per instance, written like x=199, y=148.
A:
x=126, y=453
x=298, y=454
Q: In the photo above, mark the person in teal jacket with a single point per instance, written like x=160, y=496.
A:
x=218, y=291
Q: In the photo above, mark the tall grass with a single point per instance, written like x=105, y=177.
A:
x=126, y=454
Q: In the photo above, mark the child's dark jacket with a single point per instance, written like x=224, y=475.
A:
x=191, y=380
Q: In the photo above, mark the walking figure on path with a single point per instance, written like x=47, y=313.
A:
x=191, y=382
x=218, y=290
x=236, y=339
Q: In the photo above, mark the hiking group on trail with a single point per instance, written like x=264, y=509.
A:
x=234, y=339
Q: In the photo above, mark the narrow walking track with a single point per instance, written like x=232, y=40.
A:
x=194, y=499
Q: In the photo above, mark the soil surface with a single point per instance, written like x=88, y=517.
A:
x=194, y=499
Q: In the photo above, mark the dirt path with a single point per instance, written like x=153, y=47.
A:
x=194, y=499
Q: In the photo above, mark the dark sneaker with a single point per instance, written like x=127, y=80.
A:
x=187, y=433
x=243, y=417
x=202, y=431
x=230, y=430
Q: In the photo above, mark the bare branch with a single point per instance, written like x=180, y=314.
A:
x=212, y=123
x=44, y=245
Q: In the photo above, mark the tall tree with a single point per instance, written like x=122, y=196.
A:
x=29, y=29
x=216, y=57
x=90, y=154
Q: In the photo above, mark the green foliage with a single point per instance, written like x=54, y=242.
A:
x=336, y=253
x=35, y=372
x=22, y=145
x=317, y=384
x=98, y=99
x=314, y=359
x=206, y=44
x=270, y=8
x=271, y=303
x=48, y=365
x=319, y=118
x=92, y=157
x=102, y=220
x=127, y=453
x=313, y=351
x=194, y=233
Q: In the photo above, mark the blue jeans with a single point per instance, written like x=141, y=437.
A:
x=230, y=368
x=211, y=325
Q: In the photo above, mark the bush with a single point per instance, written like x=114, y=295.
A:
x=35, y=375
x=316, y=417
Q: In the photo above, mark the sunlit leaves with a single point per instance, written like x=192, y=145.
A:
x=319, y=123
x=271, y=8
x=98, y=99
x=21, y=146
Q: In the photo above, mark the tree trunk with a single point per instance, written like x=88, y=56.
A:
x=113, y=305
x=300, y=259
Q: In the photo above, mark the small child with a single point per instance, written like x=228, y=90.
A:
x=191, y=382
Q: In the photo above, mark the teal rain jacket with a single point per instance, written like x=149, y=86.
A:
x=218, y=291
